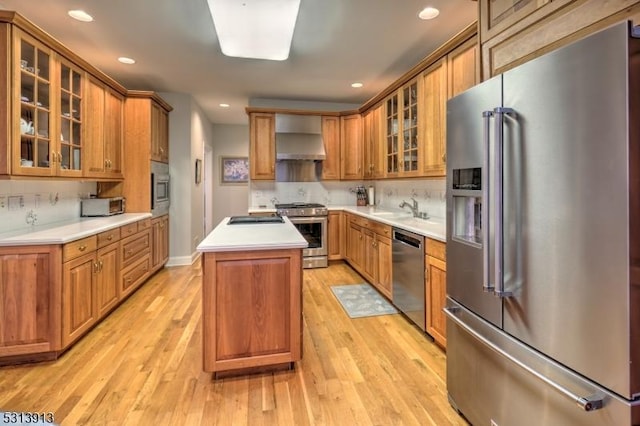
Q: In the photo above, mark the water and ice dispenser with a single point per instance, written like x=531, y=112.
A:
x=467, y=205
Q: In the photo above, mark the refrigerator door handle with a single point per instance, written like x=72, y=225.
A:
x=486, y=208
x=498, y=204
x=587, y=403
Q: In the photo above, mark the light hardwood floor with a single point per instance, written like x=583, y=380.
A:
x=143, y=366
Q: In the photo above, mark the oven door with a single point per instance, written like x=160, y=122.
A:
x=314, y=230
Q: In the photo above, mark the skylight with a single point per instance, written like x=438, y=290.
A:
x=258, y=29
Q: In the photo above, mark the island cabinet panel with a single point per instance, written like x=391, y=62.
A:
x=78, y=295
x=252, y=309
x=29, y=300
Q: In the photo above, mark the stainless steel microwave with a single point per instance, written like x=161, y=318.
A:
x=101, y=206
x=160, y=190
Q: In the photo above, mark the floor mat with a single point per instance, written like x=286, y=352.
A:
x=362, y=300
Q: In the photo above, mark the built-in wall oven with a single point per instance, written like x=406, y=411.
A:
x=160, y=193
x=311, y=221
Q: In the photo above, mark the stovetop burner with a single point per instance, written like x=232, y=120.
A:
x=301, y=209
x=298, y=205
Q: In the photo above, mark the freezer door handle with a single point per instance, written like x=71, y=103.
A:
x=498, y=204
x=486, y=205
x=587, y=403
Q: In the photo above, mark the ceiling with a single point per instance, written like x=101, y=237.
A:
x=335, y=43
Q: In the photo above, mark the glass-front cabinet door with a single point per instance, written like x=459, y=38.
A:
x=401, y=131
x=70, y=116
x=33, y=132
x=391, y=134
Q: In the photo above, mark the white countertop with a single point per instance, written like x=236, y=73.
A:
x=253, y=236
x=67, y=231
x=433, y=228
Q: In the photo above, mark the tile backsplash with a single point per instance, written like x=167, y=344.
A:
x=430, y=193
x=25, y=203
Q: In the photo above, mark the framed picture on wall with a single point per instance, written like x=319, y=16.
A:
x=234, y=170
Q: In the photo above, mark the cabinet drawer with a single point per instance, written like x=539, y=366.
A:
x=380, y=228
x=144, y=224
x=78, y=248
x=127, y=230
x=436, y=249
x=135, y=275
x=360, y=221
x=108, y=237
x=133, y=247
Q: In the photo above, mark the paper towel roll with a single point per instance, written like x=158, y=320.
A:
x=372, y=196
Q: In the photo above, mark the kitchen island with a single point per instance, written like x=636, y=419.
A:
x=251, y=296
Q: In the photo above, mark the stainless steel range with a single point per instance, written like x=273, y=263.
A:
x=311, y=221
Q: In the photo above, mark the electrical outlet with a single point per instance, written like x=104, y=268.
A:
x=3, y=202
x=16, y=202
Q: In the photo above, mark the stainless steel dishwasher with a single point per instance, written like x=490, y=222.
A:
x=408, y=275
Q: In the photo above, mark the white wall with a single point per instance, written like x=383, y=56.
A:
x=229, y=200
x=189, y=132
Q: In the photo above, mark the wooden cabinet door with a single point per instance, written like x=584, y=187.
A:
x=113, y=132
x=434, y=116
x=331, y=141
x=463, y=67
x=262, y=146
x=78, y=297
x=436, y=294
x=410, y=125
x=351, y=147
x=160, y=241
x=498, y=15
x=159, y=134
x=95, y=162
x=334, y=236
x=369, y=255
x=374, y=157
x=30, y=292
x=107, y=279
x=354, y=245
x=383, y=274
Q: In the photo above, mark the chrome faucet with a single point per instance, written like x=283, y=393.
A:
x=413, y=207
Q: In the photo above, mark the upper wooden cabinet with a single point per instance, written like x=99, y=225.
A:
x=159, y=133
x=103, y=132
x=351, y=147
x=516, y=31
x=52, y=114
x=402, y=113
x=374, y=155
x=262, y=146
x=331, y=141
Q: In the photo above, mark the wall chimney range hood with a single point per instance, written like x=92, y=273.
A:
x=299, y=137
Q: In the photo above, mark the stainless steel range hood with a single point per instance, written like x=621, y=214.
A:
x=299, y=137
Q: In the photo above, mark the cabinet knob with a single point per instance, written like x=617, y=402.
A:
x=110, y=237
x=82, y=248
x=129, y=252
x=95, y=267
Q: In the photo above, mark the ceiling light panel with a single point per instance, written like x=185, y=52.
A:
x=80, y=15
x=428, y=13
x=259, y=29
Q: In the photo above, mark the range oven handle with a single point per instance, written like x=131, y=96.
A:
x=587, y=403
x=308, y=219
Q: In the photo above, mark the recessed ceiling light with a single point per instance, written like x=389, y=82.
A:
x=80, y=15
x=224, y=105
x=428, y=13
x=126, y=60
x=356, y=85
x=258, y=29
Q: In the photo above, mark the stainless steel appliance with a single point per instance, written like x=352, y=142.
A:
x=543, y=239
x=311, y=221
x=408, y=275
x=102, y=206
x=160, y=190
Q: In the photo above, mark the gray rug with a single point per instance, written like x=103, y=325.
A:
x=362, y=300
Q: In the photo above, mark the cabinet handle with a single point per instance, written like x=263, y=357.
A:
x=444, y=157
x=95, y=267
x=101, y=265
x=82, y=248
x=129, y=252
x=110, y=237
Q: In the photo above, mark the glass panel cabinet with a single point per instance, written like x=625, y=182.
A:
x=70, y=148
x=34, y=66
x=401, y=131
x=48, y=123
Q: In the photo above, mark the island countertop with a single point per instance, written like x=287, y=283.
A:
x=255, y=236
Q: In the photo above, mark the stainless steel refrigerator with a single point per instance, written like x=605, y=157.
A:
x=543, y=239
